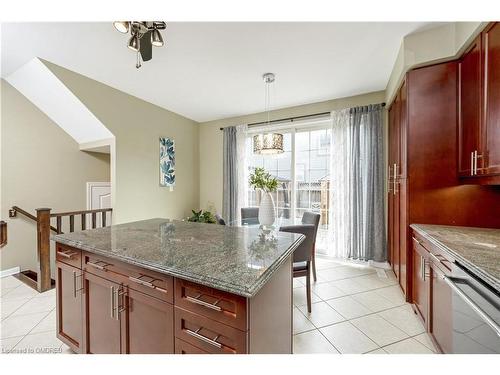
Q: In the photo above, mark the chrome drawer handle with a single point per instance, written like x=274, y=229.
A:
x=66, y=254
x=417, y=241
x=149, y=284
x=205, y=339
x=98, y=266
x=435, y=258
x=198, y=301
x=141, y=282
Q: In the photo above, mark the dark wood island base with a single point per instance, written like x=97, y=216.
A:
x=110, y=306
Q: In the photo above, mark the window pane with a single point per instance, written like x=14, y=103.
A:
x=279, y=166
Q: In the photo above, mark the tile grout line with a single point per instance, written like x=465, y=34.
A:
x=36, y=325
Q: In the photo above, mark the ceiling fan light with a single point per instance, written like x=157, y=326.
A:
x=122, y=26
x=156, y=38
x=133, y=43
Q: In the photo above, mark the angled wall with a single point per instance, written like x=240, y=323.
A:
x=137, y=125
x=41, y=166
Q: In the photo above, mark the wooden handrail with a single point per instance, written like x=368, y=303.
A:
x=42, y=219
x=69, y=213
x=28, y=215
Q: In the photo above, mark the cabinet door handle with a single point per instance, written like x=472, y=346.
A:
x=196, y=300
x=389, y=180
x=203, y=338
x=394, y=181
x=75, y=289
x=112, y=301
x=472, y=163
x=475, y=162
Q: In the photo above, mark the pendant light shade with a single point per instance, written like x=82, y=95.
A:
x=122, y=26
x=156, y=38
x=133, y=43
x=268, y=144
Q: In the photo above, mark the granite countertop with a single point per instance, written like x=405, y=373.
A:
x=477, y=249
x=236, y=260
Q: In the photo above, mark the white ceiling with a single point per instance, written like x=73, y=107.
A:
x=209, y=71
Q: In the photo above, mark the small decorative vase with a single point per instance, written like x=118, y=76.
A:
x=267, y=214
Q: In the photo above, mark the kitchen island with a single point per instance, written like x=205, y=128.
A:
x=166, y=286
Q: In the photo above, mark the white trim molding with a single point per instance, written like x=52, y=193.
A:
x=10, y=272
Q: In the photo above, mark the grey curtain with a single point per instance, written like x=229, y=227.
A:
x=230, y=176
x=366, y=183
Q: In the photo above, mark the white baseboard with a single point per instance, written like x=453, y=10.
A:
x=383, y=265
x=10, y=271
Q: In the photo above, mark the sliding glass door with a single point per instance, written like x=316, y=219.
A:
x=303, y=172
x=280, y=167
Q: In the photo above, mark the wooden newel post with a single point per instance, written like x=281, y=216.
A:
x=43, y=249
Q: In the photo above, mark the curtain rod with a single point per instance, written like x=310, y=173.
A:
x=292, y=118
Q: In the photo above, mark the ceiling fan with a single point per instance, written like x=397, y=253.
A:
x=144, y=35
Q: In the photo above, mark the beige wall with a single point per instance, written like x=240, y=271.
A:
x=443, y=43
x=137, y=125
x=41, y=166
x=211, y=139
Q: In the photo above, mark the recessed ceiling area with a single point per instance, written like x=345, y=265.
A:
x=207, y=71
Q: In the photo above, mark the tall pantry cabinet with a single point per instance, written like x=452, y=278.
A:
x=421, y=159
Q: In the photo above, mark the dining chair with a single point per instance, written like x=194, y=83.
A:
x=249, y=215
x=312, y=218
x=302, y=255
x=220, y=220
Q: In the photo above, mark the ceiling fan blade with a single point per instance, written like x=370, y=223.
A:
x=146, y=48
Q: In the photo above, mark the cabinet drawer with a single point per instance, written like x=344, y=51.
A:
x=207, y=334
x=148, y=282
x=436, y=255
x=182, y=347
x=221, y=306
x=69, y=255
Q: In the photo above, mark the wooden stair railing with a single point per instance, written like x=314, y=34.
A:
x=41, y=279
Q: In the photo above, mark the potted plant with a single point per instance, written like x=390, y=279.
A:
x=202, y=217
x=263, y=181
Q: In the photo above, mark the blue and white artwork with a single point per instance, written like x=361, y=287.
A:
x=167, y=162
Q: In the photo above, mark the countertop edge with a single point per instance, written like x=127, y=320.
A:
x=249, y=292
x=477, y=271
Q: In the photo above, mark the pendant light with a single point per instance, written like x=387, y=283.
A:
x=268, y=143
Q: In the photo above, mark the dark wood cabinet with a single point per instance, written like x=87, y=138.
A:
x=479, y=109
x=469, y=108
x=491, y=136
x=69, y=305
x=397, y=186
x=108, y=306
x=421, y=279
x=147, y=325
x=103, y=301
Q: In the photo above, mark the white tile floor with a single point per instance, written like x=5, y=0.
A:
x=28, y=320
x=355, y=310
